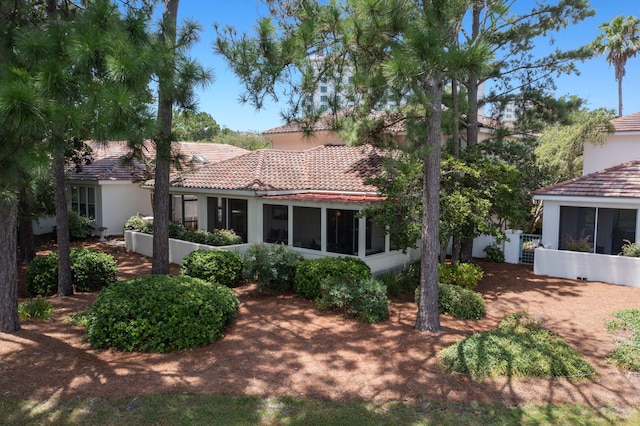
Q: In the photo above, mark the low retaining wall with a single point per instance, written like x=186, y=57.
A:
x=143, y=244
x=587, y=266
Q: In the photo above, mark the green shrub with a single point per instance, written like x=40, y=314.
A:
x=272, y=267
x=458, y=302
x=36, y=309
x=223, y=237
x=160, y=313
x=630, y=249
x=365, y=299
x=402, y=282
x=217, y=265
x=194, y=235
x=92, y=269
x=464, y=275
x=136, y=223
x=42, y=275
x=79, y=226
x=219, y=237
x=175, y=230
x=519, y=347
x=494, y=253
x=311, y=273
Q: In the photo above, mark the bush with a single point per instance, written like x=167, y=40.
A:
x=42, y=275
x=79, y=226
x=272, y=267
x=365, y=299
x=37, y=309
x=464, y=275
x=219, y=237
x=91, y=270
x=136, y=223
x=630, y=249
x=494, y=253
x=312, y=272
x=458, y=302
x=402, y=282
x=217, y=265
x=160, y=313
x=223, y=237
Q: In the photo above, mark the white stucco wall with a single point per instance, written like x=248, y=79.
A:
x=119, y=201
x=618, y=149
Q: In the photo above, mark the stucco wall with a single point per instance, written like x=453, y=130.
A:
x=618, y=149
x=119, y=201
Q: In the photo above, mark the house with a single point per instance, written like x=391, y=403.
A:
x=110, y=191
x=597, y=212
x=309, y=200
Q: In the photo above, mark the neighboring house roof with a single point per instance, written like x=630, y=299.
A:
x=108, y=157
x=628, y=123
x=621, y=181
x=337, y=168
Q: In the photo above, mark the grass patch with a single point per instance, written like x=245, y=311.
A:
x=37, y=308
x=191, y=409
x=77, y=319
x=519, y=347
x=626, y=355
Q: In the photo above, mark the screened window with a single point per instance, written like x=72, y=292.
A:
x=228, y=213
x=275, y=224
x=375, y=238
x=184, y=210
x=83, y=201
x=307, y=225
x=342, y=231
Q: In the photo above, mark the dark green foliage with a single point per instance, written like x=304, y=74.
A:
x=36, y=309
x=216, y=266
x=312, y=272
x=459, y=302
x=494, y=253
x=272, y=267
x=402, y=282
x=519, y=347
x=160, y=313
x=364, y=299
x=42, y=275
x=219, y=237
x=464, y=275
x=79, y=226
x=91, y=270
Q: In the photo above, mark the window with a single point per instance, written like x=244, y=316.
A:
x=323, y=108
x=184, y=210
x=307, y=225
x=342, y=231
x=275, y=224
x=323, y=89
x=324, y=98
x=375, y=238
x=83, y=201
x=599, y=230
x=228, y=213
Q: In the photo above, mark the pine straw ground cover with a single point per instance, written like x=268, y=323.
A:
x=283, y=346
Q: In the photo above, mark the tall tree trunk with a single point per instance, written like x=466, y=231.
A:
x=9, y=320
x=161, y=199
x=620, y=97
x=65, y=287
x=26, y=239
x=428, y=316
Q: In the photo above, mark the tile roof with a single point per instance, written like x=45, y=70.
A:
x=107, y=159
x=627, y=123
x=337, y=168
x=621, y=181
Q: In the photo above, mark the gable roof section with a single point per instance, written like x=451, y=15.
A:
x=621, y=181
x=337, y=168
x=628, y=123
x=107, y=159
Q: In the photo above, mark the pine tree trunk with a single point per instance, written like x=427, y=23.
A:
x=65, y=287
x=26, y=239
x=428, y=316
x=161, y=199
x=9, y=321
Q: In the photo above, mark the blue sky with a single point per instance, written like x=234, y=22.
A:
x=596, y=82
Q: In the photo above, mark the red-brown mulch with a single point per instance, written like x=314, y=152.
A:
x=282, y=345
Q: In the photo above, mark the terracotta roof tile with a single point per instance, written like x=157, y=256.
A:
x=107, y=159
x=325, y=168
x=621, y=181
x=628, y=123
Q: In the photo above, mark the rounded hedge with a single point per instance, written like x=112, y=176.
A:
x=91, y=270
x=311, y=273
x=272, y=267
x=216, y=266
x=160, y=313
x=458, y=302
